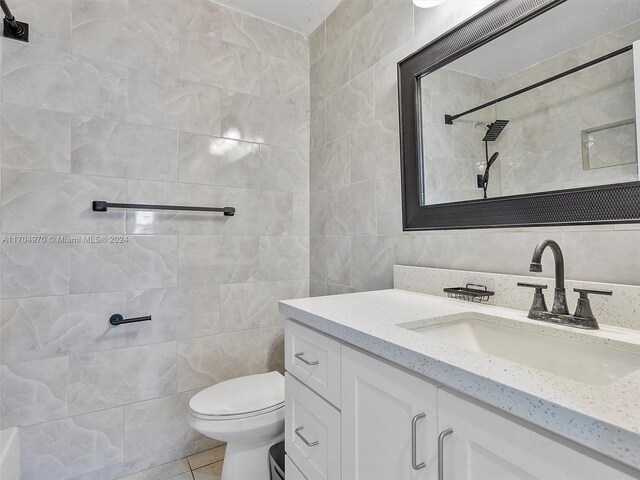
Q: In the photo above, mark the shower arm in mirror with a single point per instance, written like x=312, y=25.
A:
x=607, y=203
x=449, y=119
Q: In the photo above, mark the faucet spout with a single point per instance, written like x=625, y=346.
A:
x=560, y=306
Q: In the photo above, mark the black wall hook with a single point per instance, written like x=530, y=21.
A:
x=117, y=319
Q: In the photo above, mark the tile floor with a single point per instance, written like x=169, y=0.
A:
x=201, y=466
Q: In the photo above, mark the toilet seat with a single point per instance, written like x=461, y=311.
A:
x=238, y=398
x=236, y=416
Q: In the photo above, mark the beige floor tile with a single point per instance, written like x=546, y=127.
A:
x=182, y=476
x=210, y=472
x=163, y=472
x=207, y=457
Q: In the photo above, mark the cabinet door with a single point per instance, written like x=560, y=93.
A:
x=312, y=432
x=385, y=414
x=485, y=445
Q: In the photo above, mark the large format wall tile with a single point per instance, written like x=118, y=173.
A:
x=160, y=424
x=344, y=17
x=284, y=169
x=46, y=327
x=381, y=31
x=171, y=103
x=33, y=269
x=331, y=71
x=300, y=223
x=51, y=202
x=72, y=446
x=219, y=161
x=100, y=380
x=118, y=149
x=139, y=263
x=204, y=260
x=176, y=313
x=283, y=79
x=260, y=120
x=375, y=150
x=283, y=258
x=317, y=43
x=330, y=259
x=200, y=16
x=351, y=107
x=244, y=306
x=41, y=77
x=317, y=124
x=33, y=392
x=329, y=166
x=105, y=31
x=228, y=65
x=351, y=210
x=389, y=204
x=168, y=222
x=258, y=212
x=256, y=34
x=205, y=361
x=35, y=139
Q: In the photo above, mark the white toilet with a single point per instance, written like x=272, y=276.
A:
x=248, y=414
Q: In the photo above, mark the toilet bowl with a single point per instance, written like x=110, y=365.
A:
x=248, y=414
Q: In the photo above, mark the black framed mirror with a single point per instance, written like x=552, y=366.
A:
x=523, y=115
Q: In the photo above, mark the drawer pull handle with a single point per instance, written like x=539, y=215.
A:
x=300, y=356
x=414, y=447
x=443, y=434
x=306, y=442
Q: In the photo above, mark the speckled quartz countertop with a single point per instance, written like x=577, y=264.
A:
x=605, y=418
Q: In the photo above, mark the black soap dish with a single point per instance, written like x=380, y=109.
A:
x=470, y=293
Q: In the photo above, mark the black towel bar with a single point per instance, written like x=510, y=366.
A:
x=101, y=206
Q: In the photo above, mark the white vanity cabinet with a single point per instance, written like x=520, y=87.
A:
x=479, y=444
x=388, y=422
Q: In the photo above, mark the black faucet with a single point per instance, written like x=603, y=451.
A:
x=560, y=306
x=583, y=317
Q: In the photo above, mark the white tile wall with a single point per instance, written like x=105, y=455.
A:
x=350, y=250
x=144, y=101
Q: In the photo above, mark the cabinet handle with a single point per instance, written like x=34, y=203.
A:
x=307, y=442
x=414, y=447
x=443, y=434
x=300, y=356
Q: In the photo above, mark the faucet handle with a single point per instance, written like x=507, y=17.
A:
x=539, y=287
x=583, y=310
x=585, y=292
x=539, y=305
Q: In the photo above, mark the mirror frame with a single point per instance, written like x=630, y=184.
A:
x=616, y=203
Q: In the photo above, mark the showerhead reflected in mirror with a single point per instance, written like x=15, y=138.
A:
x=554, y=97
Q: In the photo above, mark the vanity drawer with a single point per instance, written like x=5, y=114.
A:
x=292, y=472
x=314, y=359
x=312, y=432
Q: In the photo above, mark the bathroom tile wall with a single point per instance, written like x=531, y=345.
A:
x=143, y=101
x=349, y=167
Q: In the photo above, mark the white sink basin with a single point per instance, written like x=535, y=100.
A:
x=585, y=362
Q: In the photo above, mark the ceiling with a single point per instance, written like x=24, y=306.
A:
x=299, y=15
x=561, y=29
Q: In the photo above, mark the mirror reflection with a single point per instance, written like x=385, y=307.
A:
x=548, y=106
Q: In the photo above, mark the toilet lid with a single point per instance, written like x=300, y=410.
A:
x=240, y=396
